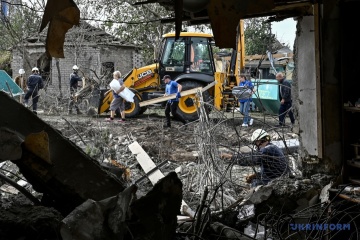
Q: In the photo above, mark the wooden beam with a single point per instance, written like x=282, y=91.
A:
x=147, y=164
x=169, y=97
x=172, y=96
x=278, y=55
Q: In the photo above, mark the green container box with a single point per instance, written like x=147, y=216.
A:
x=7, y=84
x=266, y=96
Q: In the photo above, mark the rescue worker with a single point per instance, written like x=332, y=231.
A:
x=172, y=104
x=285, y=100
x=245, y=102
x=74, y=84
x=269, y=157
x=34, y=83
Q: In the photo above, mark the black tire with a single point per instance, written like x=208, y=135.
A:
x=133, y=109
x=142, y=110
x=186, y=108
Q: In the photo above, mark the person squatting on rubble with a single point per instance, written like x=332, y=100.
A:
x=172, y=104
x=245, y=102
x=269, y=157
x=117, y=102
x=34, y=84
x=285, y=100
x=74, y=84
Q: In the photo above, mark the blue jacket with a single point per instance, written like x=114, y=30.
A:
x=74, y=79
x=272, y=161
x=171, y=87
x=34, y=81
x=285, y=90
x=247, y=84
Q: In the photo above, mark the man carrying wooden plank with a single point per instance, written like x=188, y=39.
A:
x=172, y=104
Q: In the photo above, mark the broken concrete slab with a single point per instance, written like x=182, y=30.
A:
x=154, y=216
x=29, y=222
x=72, y=177
x=103, y=219
x=148, y=165
x=258, y=195
x=10, y=145
x=288, y=146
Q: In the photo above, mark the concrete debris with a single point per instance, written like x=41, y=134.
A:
x=322, y=179
x=222, y=230
x=258, y=195
x=10, y=145
x=51, y=163
x=106, y=218
x=83, y=191
x=256, y=231
x=246, y=212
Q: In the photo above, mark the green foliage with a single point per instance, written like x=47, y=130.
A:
x=258, y=36
x=5, y=59
x=22, y=22
x=133, y=24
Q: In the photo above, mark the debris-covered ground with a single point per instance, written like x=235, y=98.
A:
x=183, y=147
x=217, y=203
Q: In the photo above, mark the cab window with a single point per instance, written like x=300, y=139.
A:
x=200, y=55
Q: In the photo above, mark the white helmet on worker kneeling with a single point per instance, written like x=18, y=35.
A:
x=35, y=69
x=75, y=67
x=259, y=134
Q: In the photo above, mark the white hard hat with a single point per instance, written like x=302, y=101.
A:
x=75, y=67
x=35, y=69
x=21, y=71
x=258, y=134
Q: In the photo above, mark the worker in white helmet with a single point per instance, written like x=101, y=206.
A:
x=270, y=158
x=74, y=79
x=34, y=84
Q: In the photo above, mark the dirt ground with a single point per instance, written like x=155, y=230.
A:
x=193, y=151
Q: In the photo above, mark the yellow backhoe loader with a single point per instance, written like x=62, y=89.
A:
x=190, y=61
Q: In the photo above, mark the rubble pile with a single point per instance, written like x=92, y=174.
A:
x=139, y=181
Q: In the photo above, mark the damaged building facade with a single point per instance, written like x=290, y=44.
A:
x=96, y=53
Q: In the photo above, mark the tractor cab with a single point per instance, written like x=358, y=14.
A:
x=191, y=53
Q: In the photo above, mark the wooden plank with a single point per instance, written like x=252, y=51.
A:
x=354, y=180
x=172, y=96
x=354, y=163
x=352, y=109
x=349, y=198
x=257, y=56
x=169, y=97
x=147, y=164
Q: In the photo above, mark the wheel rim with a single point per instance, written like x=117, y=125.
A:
x=187, y=105
x=129, y=107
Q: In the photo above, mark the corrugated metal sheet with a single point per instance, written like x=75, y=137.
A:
x=14, y=88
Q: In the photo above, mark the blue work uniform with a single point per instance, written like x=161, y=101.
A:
x=172, y=104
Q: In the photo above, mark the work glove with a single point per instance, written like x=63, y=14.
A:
x=177, y=96
x=249, y=178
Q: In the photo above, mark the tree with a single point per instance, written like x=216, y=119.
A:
x=21, y=22
x=135, y=24
x=258, y=36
